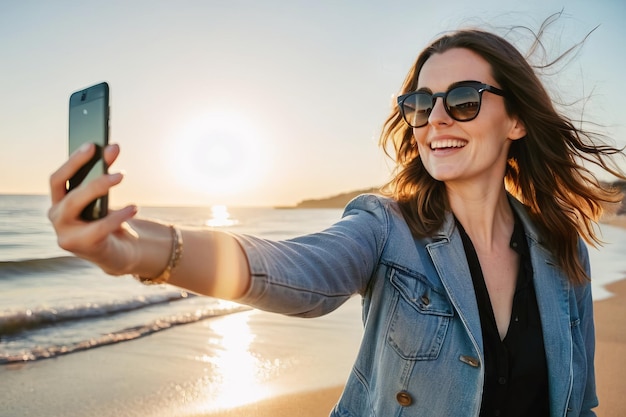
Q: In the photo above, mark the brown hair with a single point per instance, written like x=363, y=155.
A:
x=544, y=169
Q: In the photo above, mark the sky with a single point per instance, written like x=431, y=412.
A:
x=257, y=103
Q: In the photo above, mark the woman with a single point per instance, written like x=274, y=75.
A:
x=473, y=273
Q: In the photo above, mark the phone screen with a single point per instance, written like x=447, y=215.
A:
x=88, y=122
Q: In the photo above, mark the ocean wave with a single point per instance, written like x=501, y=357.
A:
x=16, y=268
x=13, y=322
x=131, y=333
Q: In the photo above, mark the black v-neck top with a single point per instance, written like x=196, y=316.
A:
x=516, y=373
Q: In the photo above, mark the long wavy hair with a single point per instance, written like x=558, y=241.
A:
x=545, y=169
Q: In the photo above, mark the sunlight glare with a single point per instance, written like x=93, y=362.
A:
x=218, y=154
x=220, y=217
x=241, y=374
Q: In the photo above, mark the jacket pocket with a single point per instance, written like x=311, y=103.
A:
x=419, y=318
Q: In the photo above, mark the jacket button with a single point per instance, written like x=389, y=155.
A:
x=404, y=398
x=470, y=361
x=424, y=298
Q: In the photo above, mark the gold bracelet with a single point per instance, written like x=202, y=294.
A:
x=175, y=255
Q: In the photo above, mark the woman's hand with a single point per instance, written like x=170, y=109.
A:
x=107, y=242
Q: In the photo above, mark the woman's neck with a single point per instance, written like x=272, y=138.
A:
x=485, y=214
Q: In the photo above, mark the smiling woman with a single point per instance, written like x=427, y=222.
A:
x=219, y=154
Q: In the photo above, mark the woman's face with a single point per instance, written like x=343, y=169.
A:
x=472, y=151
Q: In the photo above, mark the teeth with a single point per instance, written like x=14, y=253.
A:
x=448, y=143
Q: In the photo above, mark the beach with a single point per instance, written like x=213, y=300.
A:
x=226, y=361
x=264, y=365
x=267, y=363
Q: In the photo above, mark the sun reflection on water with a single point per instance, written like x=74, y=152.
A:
x=239, y=375
x=220, y=217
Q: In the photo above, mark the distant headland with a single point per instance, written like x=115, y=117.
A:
x=336, y=201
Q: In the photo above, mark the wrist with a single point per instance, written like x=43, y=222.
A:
x=153, y=246
x=176, y=251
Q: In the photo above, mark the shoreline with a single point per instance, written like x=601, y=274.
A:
x=215, y=367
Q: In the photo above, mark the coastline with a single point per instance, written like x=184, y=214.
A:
x=250, y=360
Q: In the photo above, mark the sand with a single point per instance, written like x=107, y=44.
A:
x=610, y=319
x=308, y=404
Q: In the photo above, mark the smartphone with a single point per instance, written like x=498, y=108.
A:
x=89, y=122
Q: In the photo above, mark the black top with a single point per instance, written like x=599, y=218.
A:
x=516, y=373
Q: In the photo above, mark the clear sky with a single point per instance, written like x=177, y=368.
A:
x=250, y=102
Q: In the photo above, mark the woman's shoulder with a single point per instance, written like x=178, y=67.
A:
x=372, y=201
x=386, y=208
x=382, y=210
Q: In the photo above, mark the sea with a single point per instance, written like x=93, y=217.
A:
x=53, y=304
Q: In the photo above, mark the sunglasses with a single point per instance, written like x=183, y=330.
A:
x=461, y=101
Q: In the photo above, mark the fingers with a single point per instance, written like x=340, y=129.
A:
x=80, y=157
x=111, y=153
x=86, y=239
x=67, y=211
x=60, y=177
x=66, y=207
x=80, y=197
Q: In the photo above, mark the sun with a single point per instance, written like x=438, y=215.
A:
x=219, y=154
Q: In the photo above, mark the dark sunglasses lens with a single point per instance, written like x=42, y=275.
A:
x=416, y=108
x=463, y=103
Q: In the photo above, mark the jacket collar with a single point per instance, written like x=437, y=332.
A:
x=449, y=227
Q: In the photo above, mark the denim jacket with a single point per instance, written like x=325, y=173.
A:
x=422, y=349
